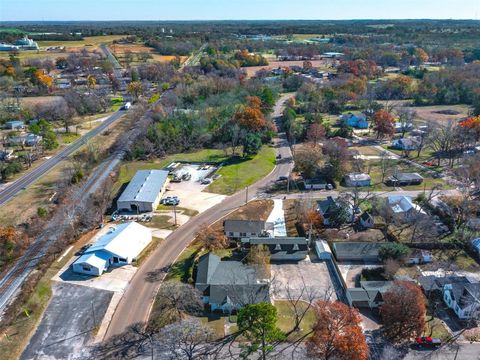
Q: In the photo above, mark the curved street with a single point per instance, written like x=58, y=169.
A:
x=137, y=300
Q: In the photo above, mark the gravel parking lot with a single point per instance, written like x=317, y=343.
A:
x=68, y=323
x=314, y=273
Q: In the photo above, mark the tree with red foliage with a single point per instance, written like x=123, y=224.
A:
x=403, y=311
x=337, y=333
x=384, y=124
x=315, y=133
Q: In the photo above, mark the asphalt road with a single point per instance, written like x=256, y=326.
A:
x=136, y=303
x=33, y=175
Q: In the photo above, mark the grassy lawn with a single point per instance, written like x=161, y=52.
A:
x=182, y=269
x=286, y=320
x=238, y=174
x=67, y=138
x=216, y=322
x=161, y=222
x=117, y=103
x=185, y=211
x=86, y=41
x=436, y=329
x=457, y=257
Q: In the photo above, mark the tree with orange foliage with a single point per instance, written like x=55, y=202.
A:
x=421, y=55
x=315, y=133
x=337, y=333
x=403, y=311
x=472, y=124
x=251, y=117
x=44, y=79
x=9, y=239
x=384, y=124
x=211, y=239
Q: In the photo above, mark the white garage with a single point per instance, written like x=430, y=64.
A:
x=119, y=246
x=144, y=191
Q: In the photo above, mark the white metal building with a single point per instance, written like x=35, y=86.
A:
x=119, y=246
x=144, y=191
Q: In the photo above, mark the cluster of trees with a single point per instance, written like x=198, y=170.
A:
x=245, y=58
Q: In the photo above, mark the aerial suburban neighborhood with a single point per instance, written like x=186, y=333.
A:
x=239, y=189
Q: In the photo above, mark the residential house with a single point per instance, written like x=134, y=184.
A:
x=282, y=248
x=144, y=191
x=229, y=285
x=403, y=208
x=14, y=125
x=358, y=121
x=25, y=140
x=419, y=256
x=327, y=206
x=431, y=284
x=237, y=229
x=356, y=251
x=315, y=184
x=119, y=246
x=366, y=220
x=357, y=180
x=404, y=179
x=463, y=299
x=368, y=295
x=406, y=144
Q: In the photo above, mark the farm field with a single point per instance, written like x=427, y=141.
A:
x=119, y=50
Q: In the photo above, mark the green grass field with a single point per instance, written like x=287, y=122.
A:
x=239, y=174
x=86, y=41
x=286, y=320
x=235, y=175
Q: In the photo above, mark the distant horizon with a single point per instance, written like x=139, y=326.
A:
x=235, y=10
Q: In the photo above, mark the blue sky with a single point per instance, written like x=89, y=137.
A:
x=11, y=10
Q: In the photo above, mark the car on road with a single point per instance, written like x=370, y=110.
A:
x=279, y=156
x=206, y=181
x=176, y=179
x=428, y=341
x=127, y=106
x=282, y=178
x=186, y=177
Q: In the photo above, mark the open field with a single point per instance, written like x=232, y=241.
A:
x=89, y=41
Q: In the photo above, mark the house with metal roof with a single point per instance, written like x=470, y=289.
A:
x=119, y=246
x=237, y=229
x=229, y=285
x=403, y=208
x=356, y=251
x=144, y=191
x=357, y=180
x=282, y=248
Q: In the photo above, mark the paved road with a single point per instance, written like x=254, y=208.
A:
x=138, y=299
x=8, y=192
x=463, y=351
x=333, y=193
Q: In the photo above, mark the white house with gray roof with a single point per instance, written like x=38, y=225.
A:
x=144, y=191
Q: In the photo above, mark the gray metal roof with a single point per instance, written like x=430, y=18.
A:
x=356, y=248
x=408, y=176
x=145, y=186
x=280, y=240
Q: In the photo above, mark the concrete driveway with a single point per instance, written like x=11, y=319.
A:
x=192, y=196
x=314, y=275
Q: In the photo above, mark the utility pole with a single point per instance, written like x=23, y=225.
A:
x=246, y=195
x=175, y=213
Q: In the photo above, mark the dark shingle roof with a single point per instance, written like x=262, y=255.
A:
x=246, y=226
x=232, y=280
x=431, y=282
x=356, y=248
x=324, y=205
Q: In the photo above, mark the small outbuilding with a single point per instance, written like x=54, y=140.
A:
x=237, y=229
x=14, y=125
x=405, y=179
x=323, y=250
x=356, y=251
x=119, y=246
x=144, y=191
